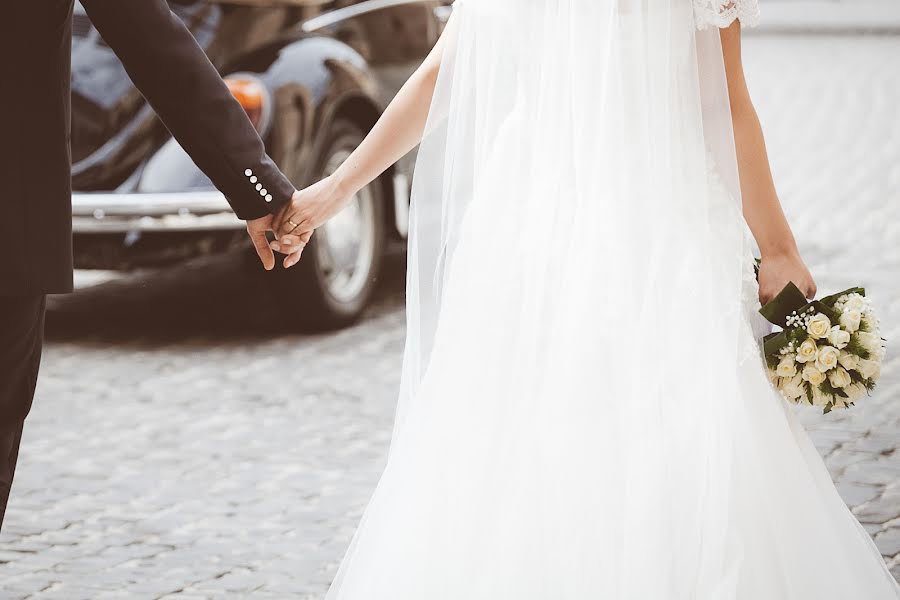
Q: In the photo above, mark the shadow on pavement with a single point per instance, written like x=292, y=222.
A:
x=221, y=298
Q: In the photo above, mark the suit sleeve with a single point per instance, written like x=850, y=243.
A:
x=171, y=70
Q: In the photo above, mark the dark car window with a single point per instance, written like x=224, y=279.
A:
x=96, y=72
x=104, y=100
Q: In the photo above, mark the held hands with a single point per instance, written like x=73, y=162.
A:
x=257, y=230
x=775, y=271
x=294, y=225
x=309, y=208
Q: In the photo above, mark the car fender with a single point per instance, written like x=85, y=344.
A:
x=312, y=80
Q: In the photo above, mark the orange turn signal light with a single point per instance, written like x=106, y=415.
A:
x=252, y=95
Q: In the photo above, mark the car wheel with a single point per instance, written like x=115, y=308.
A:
x=334, y=280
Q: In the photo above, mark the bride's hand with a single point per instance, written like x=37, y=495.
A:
x=776, y=271
x=309, y=208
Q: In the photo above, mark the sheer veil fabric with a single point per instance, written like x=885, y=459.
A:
x=583, y=412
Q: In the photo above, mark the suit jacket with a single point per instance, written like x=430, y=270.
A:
x=175, y=76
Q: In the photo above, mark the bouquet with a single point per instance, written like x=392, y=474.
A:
x=828, y=352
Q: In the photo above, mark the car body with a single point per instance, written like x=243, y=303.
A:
x=314, y=77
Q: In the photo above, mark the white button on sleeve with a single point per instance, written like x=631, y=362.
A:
x=248, y=172
x=258, y=186
x=268, y=197
x=253, y=179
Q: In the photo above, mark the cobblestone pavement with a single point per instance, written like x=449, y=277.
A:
x=230, y=461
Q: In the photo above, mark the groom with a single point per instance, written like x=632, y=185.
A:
x=183, y=87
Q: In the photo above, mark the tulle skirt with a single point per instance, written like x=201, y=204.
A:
x=584, y=411
x=524, y=470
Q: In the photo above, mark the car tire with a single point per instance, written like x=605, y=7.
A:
x=333, y=282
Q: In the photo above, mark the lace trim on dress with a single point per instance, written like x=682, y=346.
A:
x=722, y=13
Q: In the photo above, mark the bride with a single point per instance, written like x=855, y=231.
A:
x=584, y=413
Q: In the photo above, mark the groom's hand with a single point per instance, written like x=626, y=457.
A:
x=257, y=229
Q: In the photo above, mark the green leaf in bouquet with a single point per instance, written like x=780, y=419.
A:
x=856, y=347
x=830, y=300
x=826, y=310
x=787, y=301
x=807, y=386
x=829, y=390
x=856, y=377
x=772, y=345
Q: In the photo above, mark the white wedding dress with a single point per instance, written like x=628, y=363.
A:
x=584, y=413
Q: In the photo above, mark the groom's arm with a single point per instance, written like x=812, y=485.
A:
x=173, y=73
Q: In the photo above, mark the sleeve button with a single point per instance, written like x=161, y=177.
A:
x=248, y=172
x=268, y=197
x=263, y=192
x=258, y=186
x=253, y=179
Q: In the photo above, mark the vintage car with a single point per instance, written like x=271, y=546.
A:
x=313, y=76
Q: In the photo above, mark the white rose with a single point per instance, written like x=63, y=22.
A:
x=850, y=320
x=838, y=337
x=869, y=341
x=839, y=378
x=870, y=369
x=812, y=374
x=820, y=399
x=787, y=367
x=855, y=302
x=807, y=351
x=866, y=323
x=848, y=361
x=854, y=392
x=818, y=326
x=793, y=388
x=827, y=358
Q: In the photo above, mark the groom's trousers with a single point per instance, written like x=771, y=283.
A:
x=21, y=340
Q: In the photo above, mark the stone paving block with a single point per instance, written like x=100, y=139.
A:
x=856, y=493
x=840, y=459
x=883, y=471
x=875, y=512
x=888, y=541
x=29, y=583
x=65, y=592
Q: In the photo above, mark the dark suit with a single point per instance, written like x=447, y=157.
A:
x=178, y=80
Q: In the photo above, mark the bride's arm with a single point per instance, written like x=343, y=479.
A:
x=397, y=132
x=781, y=260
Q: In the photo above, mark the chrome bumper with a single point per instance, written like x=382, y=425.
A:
x=158, y=212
